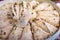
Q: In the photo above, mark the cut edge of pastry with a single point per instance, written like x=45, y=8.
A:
x=33, y=25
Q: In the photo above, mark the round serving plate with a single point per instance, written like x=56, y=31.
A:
x=53, y=37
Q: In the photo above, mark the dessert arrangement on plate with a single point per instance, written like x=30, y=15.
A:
x=28, y=20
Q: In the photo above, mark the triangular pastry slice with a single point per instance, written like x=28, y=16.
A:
x=4, y=21
x=5, y=25
x=27, y=34
x=49, y=17
x=51, y=28
x=15, y=34
x=6, y=31
x=39, y=34
x=42, y=25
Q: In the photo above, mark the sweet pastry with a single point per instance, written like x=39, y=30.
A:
x=38, y=33
x=28, y=20
x=15, y=34
x=27, y=34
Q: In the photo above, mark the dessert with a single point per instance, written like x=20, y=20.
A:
x=28, y=20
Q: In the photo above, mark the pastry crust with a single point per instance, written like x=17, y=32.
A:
x=42, y=25
x=27, y=34
x=38, y=33
x=28, y=20
x=51, y=28
x=46, y=7
x=15, y=34
x=6, y=31
x=49, y=17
